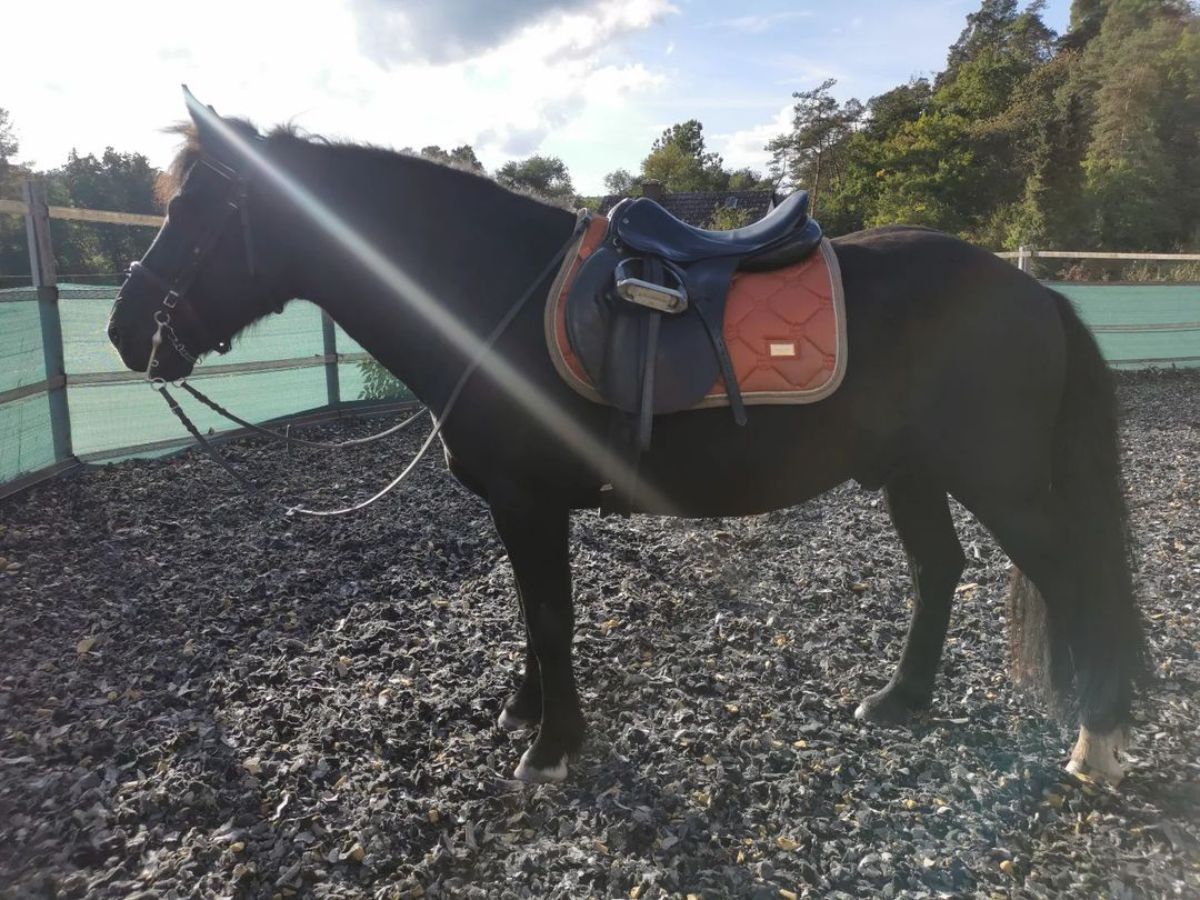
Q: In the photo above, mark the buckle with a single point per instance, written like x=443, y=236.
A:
x=646, y=293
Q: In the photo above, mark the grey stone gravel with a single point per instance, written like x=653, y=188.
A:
x=200, y=698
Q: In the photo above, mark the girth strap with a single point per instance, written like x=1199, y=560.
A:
x=708, y=283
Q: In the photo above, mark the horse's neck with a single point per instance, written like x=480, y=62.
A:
x=434, y=261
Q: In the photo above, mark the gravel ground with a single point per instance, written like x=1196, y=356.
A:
x=200, y=698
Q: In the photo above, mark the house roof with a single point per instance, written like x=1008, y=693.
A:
x=697, y=207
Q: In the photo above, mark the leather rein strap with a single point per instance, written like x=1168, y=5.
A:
x=161, y=387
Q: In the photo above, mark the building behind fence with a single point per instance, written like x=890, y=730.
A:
x=66, y=396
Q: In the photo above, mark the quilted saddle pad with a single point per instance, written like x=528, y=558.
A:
x=785, y=329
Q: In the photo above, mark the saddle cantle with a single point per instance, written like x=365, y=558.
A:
x=759, y=317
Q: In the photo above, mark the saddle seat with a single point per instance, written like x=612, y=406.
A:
x=781, y=237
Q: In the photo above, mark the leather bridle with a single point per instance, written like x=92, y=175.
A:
x=175, y=299
x=176, y=286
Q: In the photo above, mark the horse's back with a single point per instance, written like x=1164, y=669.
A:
x=962, y=352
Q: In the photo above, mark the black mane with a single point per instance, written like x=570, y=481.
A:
x=191, y=150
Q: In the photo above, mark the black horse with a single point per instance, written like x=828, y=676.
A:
x=966, y=378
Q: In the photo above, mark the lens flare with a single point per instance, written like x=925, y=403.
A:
x=536, y=401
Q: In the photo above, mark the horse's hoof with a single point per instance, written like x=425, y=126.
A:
x=531, y=774
x=1097, y=757
x=887, y=708
x=509, y=722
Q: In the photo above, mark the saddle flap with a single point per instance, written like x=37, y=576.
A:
x=605, y=331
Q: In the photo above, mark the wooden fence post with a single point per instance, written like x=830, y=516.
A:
x=45, y=279
x=333, y=388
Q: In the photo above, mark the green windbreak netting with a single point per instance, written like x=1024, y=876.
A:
x=109, y=417
x=1137, y=326
x=25, y=436
x=21, y=360
x=1141, y=325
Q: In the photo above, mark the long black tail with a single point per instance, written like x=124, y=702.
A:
x=1098, y=638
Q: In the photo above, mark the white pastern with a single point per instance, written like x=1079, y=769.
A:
x=509, y=722
x=530, y=774
x=1098, y=756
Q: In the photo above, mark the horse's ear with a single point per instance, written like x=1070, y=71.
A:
x=212, y=132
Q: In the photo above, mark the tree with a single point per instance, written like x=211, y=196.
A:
x=116, y=181
x=998, y=27
x=906, y=103
x=1094, y=142
x=14, y=255
x=1142, y=178
x=812, y=154
x=680, y=161
x=746, y=179
x=620, y=182
x=546, y=176
x=8, y=140
x=463, y=156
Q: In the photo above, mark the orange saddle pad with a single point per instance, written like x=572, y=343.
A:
x=785, y=329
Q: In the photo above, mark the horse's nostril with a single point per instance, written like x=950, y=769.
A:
x=114, y=335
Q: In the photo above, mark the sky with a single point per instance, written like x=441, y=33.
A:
x=591, y=81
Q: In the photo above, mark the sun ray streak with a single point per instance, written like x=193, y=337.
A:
x=536, y=401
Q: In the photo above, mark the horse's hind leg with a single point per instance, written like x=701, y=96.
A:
x=921, y=513
x=1037, y=535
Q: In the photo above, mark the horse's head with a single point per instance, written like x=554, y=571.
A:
x=209, y=273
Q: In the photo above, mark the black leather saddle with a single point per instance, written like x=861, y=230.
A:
x=646, y=311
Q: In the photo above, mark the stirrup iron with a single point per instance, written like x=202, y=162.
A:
x=646, y=293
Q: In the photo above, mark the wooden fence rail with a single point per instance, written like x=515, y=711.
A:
x=103, y=216
x=1025, y=255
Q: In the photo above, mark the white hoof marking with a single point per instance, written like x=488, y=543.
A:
x=1098, y=756
x=860, y=712
x=509, y=722
x=530, y=774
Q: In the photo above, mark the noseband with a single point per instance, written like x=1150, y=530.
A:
x=175, y=287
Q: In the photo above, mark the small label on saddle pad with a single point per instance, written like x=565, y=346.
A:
x=782, y=348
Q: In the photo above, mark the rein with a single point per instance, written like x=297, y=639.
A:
x=163, y=320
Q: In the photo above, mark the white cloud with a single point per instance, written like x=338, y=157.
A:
x=747, y=147
x=438, y=31
x=548, y=72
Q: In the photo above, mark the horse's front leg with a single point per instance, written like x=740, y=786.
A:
x=535, y=533
x=524, y=708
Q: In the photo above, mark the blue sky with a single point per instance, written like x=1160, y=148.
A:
x=592, y=81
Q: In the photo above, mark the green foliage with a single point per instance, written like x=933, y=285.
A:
x=725, y=218
x=8, y=140
x=999, y=28
x=546, y=176
x=679, y=160
x=115, y=181
x=814, y=153
x=1092, y=141
x=380, y=384
x=621, y=182
x=460, y=156
x=14, y=257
